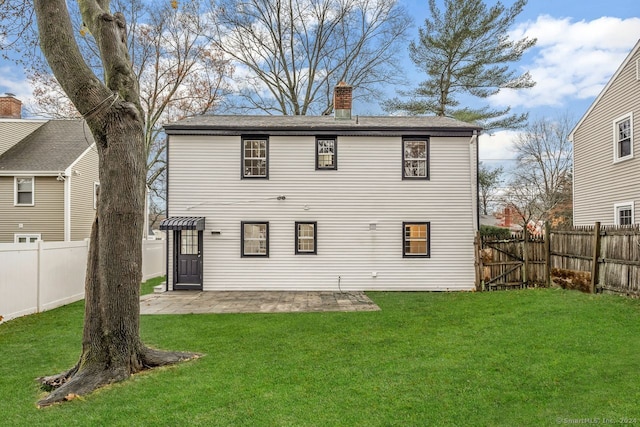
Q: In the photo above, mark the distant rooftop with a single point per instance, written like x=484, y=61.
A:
x=52, y=147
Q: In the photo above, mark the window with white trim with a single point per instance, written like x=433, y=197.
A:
x=415, y=158
x=27, y=238
x=624, y=213
x=326, y=148
x=96, y=192
x=306, y=238
x=24, y=191
x=255, y=157
x=623, y=138
x=254, y=239
x=416, y=239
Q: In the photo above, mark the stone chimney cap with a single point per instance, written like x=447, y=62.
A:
x=12, y=95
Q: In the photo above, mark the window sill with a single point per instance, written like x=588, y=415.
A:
x=622, y=159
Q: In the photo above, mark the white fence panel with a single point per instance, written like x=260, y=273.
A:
x=62, y=272
x=153, y=258
x=18, y=279
x=41, y=276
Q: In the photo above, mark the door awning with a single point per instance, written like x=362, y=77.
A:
x=182, y=223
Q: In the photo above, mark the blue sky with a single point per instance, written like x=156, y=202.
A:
x=581, y=43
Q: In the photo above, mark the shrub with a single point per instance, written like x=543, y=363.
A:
x=499, y=232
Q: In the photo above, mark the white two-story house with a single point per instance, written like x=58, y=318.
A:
x=606, y=151
x=321, y=203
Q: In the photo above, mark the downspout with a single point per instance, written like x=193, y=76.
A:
x=67, y=204
x=166, y=213
x=477, y=180
x=474, y=140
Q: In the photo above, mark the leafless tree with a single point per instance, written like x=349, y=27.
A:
x=541, y=180
x=111, y=346
x=180, y=72
x=291, y=53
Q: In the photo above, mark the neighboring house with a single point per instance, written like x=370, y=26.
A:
x=321, y=203
x=606, y=151
x=48, y=177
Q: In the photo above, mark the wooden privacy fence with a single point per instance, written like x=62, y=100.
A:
x=592, y=259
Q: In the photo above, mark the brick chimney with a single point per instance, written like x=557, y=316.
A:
x=10, y=107
x=342, y=100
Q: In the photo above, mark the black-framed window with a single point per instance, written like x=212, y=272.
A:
x=416, y=239
x=306, y=237
x=326, y=153
x=255, y=157
x=254, y=239
x=415, y=158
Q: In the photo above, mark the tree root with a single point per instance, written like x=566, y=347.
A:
x=80, y=381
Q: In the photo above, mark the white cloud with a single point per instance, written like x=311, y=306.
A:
x=572, y=60
x=16, y=84
x=495, y=149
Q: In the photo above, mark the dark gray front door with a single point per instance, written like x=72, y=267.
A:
x=188, y=259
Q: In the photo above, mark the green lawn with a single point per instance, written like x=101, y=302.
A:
x=533, y=357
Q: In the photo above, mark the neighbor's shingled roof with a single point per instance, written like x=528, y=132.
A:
x=317, y=125
x=52, y=147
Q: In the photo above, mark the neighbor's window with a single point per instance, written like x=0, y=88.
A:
x=416, y=239
x=255, y=161
x=255, y=238
x=623, y=138
x=415, y=158
x=96, y=193
x=624, y=213
x=306, y=238
x=326, y=153
x=24, y=191
x=26, y=238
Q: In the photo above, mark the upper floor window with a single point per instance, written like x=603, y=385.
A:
x=326, y=151
x=306, y=237
x=255, y=157
x=623, y=213
x=623, y=138
x=24, y=194
x=416, y=239
x=255, y=238
x=415, y=158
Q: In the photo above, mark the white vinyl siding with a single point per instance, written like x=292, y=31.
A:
x=367, y=188
x=599, y=182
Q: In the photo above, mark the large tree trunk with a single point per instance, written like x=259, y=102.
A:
x=111, y=345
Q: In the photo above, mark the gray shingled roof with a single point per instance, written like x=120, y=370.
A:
x=52, y=147
x=301, y=125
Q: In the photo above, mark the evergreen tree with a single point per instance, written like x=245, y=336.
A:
x=466, y=51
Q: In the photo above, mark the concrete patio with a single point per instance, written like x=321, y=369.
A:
x=186, y=302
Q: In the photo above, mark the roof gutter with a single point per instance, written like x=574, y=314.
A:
x=32, y=173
